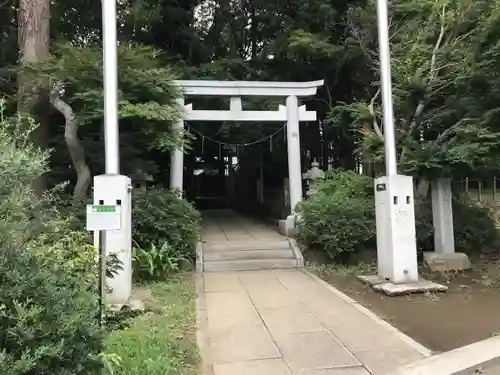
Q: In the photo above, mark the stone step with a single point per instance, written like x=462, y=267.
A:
x=246, y=245
x=247, y=265
x=248, y=254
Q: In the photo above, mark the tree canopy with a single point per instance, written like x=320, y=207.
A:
x=445, y=60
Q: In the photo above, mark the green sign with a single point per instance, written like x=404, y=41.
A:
x=103, y=217
x=100, y=209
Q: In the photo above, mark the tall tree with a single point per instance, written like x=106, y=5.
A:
x=34, y=43
x=146, y=108
x=442, y=130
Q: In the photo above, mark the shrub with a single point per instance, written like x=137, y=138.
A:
x=339, y=219
x=159, y=216
x=48, y=318
x=23, y=216
x=48, y=293
x=72, y=251
x=30, y=220
x=474, y=227
x=155, y=262
x=424, y=226
x=347, y=184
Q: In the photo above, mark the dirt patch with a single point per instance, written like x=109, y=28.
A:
x=467, y=313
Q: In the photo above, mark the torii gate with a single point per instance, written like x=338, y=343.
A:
x=291, y=113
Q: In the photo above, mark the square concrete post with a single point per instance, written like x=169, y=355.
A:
x=442, y=216
x=395, y=218
x=396, y=239
x=444, y=257
x=114, y=189
x=177, y=157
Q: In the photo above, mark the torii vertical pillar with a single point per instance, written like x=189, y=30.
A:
x=177, y=156
x=294, y=166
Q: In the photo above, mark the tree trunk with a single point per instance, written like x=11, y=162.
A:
x=33, y=41
x=422, y=190
x=75, y=147
x=222, y=15
x=254, y=31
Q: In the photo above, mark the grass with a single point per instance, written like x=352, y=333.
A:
x=162, y=341
x=324, y=270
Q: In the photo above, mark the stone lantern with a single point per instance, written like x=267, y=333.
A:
x=313, y=176
x=141, y=178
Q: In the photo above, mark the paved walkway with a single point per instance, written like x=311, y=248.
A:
x=222, y=226
x=491, y=370
x=284, y=322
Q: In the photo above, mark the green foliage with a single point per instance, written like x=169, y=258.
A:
x=339, y=219
x=26, y=218
x=303, y=42
x=439, y=72
x=475, y=229
x=424, y=226
x=160, y=217
x=113, y=265
x=158, y=344
x=146, y=89
x=147, y=106
x=29, y=220
x=156, y=262
x=474, y=226
x=23, y=214
x=347, y=183
x=48, y=317
x=48, y=298
x=71, y=249
x=122, y=318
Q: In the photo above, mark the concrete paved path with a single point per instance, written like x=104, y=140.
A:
x=282, y=322
x=226, y=226
x=493, y=370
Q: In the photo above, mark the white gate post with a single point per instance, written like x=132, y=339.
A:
x=293, y=145
x=444, y=257
x=442, y=216
x=177, y=156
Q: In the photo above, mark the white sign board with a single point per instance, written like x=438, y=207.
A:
x=101, y=217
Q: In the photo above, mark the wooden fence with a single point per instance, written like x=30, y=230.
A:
x=478, y=189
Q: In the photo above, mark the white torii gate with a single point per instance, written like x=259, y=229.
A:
x=291, y=113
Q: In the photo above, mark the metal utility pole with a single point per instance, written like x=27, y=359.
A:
x=110, y=70
x=386, y=88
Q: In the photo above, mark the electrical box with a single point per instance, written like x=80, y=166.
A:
x=396, y=236
x=116, y=190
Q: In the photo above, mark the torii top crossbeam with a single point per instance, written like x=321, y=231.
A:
x=248, y=88
x=235, y=90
